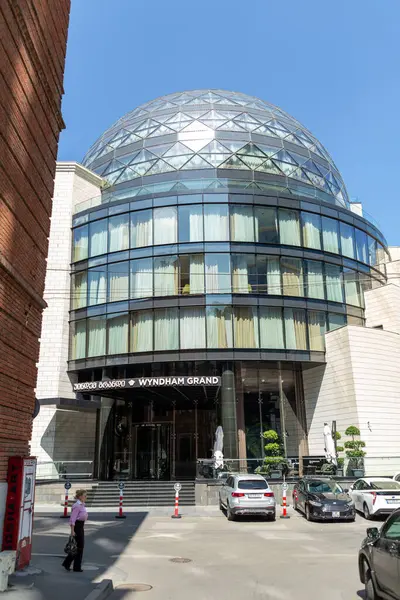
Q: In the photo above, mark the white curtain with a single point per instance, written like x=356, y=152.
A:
x=273, y=276
x=246, y=327
x=218, y=277
x=242, y=224
x=97, y=286
x=196, y=274
x=266, y=225
x=118, y=231
x=142, y=331
x=118, y=282
x=295, y=329
x=80, y=243
x=240, y=274
x=315, y=280
x=192, y=328
x=362, y=248
x=330, y=235
x=98, y=237
x=271, y=328
x=96, y=336
x=292, y=277
x=219, y=327
x=166, y=329
x=196, y=224
x=351, y=288
x=216, y=224
x=347, y=240
x=316, y=330
x=118, y=334
x=141, y=228
x=289, y=227
x=79, y=290
x=165, y=225
x=142, y=278
x=166, y=276
x=334, y=289
x=311, y=230
x=79, y=340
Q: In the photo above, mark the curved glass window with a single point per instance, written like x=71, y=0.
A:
x=219, y=327
x=79, y=290
x=271, y=327
x=166, y=276
x=166, y=329
x=266, y=225
x=295, y=329
x=141, y=228
x=218, y=273
x=98, y=237
x=347, y=240
x=351, y=287
x=118, y=281
x=334, y=287
x=190, y=225
x=216, y=223
x=142, y=331
x=141, y=278
x=97, y=285
x=192, y=328
x=96, y=332
x=315, y=280
x=292, y=276
x=330, y=235
x=289, y=227
x=165, y=225
x=242, y=223
x=78, y=334
x=245, y=321
x=118, y=233
x=311, y=230
x=317, y=330
x=117, y=334
x=80, y=243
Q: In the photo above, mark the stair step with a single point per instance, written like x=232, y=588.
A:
x=141, y=493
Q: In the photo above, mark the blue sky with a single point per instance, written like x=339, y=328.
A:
x=333, y=65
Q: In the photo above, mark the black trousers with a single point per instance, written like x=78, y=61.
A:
x=80, y=540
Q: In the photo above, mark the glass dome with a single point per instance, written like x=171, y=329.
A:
x=214, y=129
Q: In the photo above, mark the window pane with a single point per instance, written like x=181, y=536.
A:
x=316, y=330
x=142, y=331
x=165, y=225
x=166, y=276
x=245, y=327
x=191, y=223
x=80, y=243
x=166, y=329
x=311, y=230
x=289, y=227
x=216, y=224
x=361, y=245
x=97, y=285
x=351, y=287
x=274, y=275
x=295, y=329
x=117, y=334
x=292, y=276
x=330, y=235
x=315, y=280
x=141, y=228
x=242, y=223
x=192, y=274
x=96, y=336
x=365, y=285
x=347, y=240
x=266, y=225
x=372, y=250
x=192, y=328
x=78, y=345
x=271, y=327
x=118, y=233
x=218, y=274
x=335, y=321
x=141, y=278
x=219, y=327
x=244, y=275
x=118, y=281
x=355, y=321
x=79, y=289
x=98, y=237
x=334, y=287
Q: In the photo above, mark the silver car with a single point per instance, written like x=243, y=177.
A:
x=247, y=495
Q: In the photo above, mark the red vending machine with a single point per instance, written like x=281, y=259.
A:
x=18, y=521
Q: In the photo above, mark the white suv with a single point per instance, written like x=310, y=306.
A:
x=247, y=495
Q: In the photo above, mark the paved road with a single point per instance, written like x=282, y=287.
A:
x=248, y=559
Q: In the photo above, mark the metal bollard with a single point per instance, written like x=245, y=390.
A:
x=67, y=486
x=120, y=514
x=177, y=488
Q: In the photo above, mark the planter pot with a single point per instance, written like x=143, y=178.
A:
x=275, y=474
x=358, y=472
x=339, y=473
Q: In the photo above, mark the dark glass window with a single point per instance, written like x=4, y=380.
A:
x=266, y=225
x=190, y=224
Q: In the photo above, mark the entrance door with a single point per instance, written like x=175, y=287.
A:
x=151, y=453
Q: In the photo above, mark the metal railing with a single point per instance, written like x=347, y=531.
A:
x=64, y=469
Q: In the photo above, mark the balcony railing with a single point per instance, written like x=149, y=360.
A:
x=65, y=469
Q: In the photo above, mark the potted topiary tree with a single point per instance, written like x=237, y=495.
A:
x=354, y=452
x=274, y=461
x=340, y=459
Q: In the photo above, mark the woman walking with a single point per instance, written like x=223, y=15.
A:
x=77, y=521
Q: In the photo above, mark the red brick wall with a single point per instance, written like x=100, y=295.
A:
x=33, y=36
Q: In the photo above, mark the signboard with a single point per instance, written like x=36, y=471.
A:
x=177, y=487
x=67, y=485
x=146, y=382
x=312, y=465
x=18, y=521
x=121, y=485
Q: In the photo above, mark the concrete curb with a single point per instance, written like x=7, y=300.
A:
x=102, y=590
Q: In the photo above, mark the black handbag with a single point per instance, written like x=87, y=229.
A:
x=71, y=547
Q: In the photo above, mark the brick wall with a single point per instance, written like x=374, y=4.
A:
x=33, y=36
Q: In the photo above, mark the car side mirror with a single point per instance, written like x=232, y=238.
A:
x=372, y=533
x=346, y=490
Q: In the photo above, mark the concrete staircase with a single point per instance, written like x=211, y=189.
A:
x=141, y=493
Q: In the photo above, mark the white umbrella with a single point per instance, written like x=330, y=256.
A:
x=218, y=447
x=330, y=451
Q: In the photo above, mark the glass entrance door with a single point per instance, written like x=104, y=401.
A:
x=151, y=451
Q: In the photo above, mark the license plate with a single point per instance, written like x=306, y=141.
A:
x=255, y=495
x=335, y=515
x=392, y=501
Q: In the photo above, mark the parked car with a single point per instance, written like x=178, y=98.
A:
x=397, y=477
x=247, y=495
x=379, y=560
x=322, y=498
x=375, y=496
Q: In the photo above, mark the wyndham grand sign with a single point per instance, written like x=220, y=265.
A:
x=146, y=382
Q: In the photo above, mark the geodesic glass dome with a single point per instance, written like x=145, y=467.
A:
x=214, y=129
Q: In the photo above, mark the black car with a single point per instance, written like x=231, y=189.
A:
x=322, y=498
x=379, y=560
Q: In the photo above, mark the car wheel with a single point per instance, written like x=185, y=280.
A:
x=308, y=513
x=367, y=514
x=370, y=592
x=221, y=506
x=272, y=517
x=229, y=514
